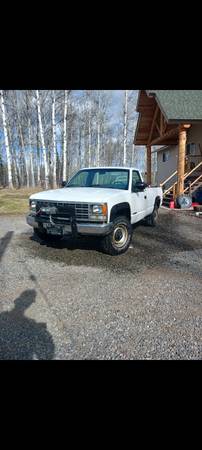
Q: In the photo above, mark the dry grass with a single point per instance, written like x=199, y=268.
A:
x=15, y=201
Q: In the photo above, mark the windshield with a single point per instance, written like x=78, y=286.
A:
x=102, y=178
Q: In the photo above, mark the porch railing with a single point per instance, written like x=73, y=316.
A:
x=193, y=183
x=173, y=187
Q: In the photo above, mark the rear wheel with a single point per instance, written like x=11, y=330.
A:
x=152, y=220
x=118, y=241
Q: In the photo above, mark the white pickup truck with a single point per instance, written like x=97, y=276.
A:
x=103, y=201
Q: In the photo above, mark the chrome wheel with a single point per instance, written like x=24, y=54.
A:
x=120, y=236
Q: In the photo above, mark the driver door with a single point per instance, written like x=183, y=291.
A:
x=138, y=199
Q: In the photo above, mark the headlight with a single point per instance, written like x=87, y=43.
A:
x=33, y=205
x=97, y=209
x=98, y=212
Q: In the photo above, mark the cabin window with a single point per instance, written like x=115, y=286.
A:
x=165, y=156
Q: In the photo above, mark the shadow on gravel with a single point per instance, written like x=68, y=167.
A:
x=22, y=338
x=4, y=243
x=82, y=243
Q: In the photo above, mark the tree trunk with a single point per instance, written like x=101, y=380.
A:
x=98, y=132
x=31, y=155
x=38, y=171
x=8, y=153
x=65, y=139
x=24, y=158
x=21, y=140
x=149, y=164
x=38, y=161
x=17, y=180
x=89, y=139
x=54, y=141
x=42, y=141
x=125, y=128
x=133, y=145
x=69, y=154
x=98, y=144
x=79, y=147
x=16, y=170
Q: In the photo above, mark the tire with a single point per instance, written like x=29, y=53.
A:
x=184, y=201
x=119, y=239
x=152, y=220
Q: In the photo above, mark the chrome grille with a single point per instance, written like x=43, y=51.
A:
x=65, y=210
x=82, y=211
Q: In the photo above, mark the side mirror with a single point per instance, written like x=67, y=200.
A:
x=139, y=186
x=63, y=184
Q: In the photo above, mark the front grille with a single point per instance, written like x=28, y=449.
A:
x=80, y=211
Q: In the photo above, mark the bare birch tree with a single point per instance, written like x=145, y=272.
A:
x=16, y=173
x=98, y=131
x=52, y=134
x=65, y=138
x=30, y=144
x=42, y=141
x=54, y=141
x=8, y=153
x=31, y=154
x=125, y=128
x=89, y=106
x=21, y=139
x=133, y=145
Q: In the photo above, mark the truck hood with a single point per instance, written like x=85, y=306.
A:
x=89, y=195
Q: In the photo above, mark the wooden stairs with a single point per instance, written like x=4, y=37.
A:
x=192, y=181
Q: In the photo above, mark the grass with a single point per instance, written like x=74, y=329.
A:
x=15, y=201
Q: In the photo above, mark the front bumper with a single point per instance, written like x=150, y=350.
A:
x=95, y=229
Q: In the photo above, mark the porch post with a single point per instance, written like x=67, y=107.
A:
x=181, y=158
x=149, y=164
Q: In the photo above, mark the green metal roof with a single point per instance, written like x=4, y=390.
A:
x=179, y=105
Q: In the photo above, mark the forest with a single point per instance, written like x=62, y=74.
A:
x=47, y=135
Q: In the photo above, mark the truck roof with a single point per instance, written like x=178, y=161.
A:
x=111, y=167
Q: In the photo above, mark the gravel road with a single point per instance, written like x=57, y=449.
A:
x=71, y=301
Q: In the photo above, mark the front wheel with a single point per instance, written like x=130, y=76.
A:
x=118, y=241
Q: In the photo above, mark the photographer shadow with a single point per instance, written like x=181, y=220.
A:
x=22, y=338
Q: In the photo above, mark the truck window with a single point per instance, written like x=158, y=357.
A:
x=80, y=180
x=103, y=178
x=135, y=178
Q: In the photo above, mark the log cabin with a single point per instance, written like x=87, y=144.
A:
x=172, y=120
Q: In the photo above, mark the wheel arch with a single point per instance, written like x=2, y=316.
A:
x=157, y=202
x=121, y=209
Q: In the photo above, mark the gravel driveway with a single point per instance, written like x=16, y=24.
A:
x=70, y=301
